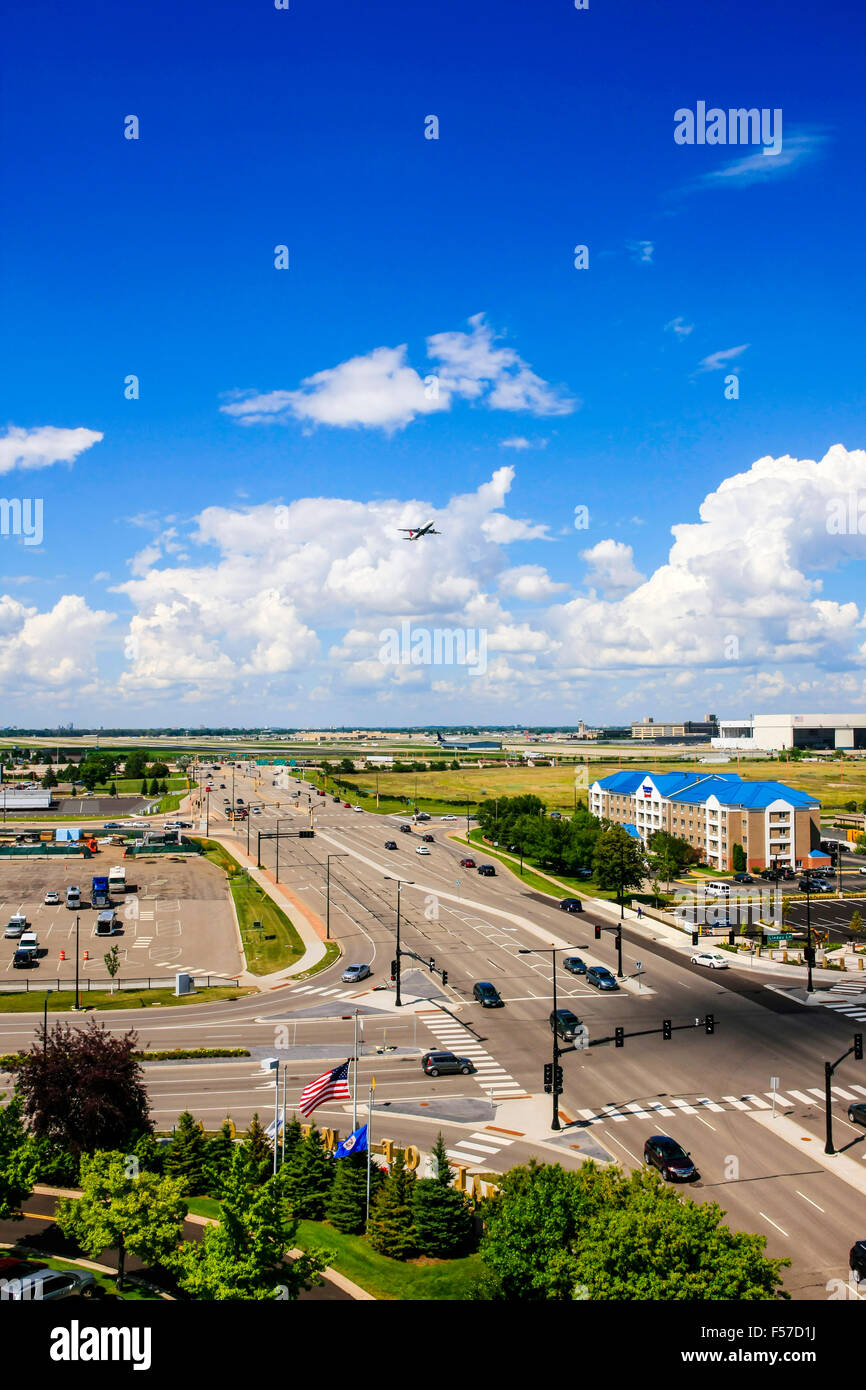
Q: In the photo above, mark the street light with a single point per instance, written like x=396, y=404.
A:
x=809, y=987
x=329, y=857
x=398, y=1002
x=550, y=951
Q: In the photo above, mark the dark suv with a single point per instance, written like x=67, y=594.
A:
x=487, y=870
x=571, y=905
x=671, y=1159
x=406, y=829
x=487, y=996
x=445, y=1063
x=564, y=1023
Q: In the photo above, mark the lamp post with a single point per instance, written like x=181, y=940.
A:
x=398, y=1002
x=329, y=857
x=809, y=987
x=550, y=951
x=76, y=961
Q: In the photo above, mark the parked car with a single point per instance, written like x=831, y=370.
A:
x=743, y=878
x=23, y=960
x=239, y=801
x=15, y=926
x=468, y=864
x=601, y=977
x=556, y=815
x=713, y=960
x=422, y=849
x=857, y=1113
x=486, y=995
x=406, y=829
x=445, y=1064
x=487, y=870
x=390, y=844
x=564, y=1023
x=28, y=941
x=788, y=875
x=571, y=905
x=353, y=973
x=574, y=965
x=582, y=873
x=73, y=898
x=671, y=1159
x=51, y=898
x=46, y=1285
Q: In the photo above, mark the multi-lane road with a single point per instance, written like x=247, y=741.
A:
x=712, y=1092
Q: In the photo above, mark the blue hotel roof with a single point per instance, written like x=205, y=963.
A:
x=695, y=788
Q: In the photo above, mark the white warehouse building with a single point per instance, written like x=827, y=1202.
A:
x=772, y=732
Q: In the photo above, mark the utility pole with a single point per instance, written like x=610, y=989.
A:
x=398, y=1001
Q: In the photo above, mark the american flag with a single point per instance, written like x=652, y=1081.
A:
x=331, y=1085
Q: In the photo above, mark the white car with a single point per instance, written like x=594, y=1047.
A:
x=357, y=808
x=422, y=849
x=711, y=960
x=862, y=869
x=449, y=817
x=256, y=811
x=51, y=898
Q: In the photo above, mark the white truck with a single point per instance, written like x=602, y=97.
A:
x=117, y=879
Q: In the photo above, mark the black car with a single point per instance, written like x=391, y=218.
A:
x=564, y=1023
x=390, y=844
x=671, y=1159
x=571, y=905
x=772, y=874
x=333, y=798
x=857, y=1259
x=422, y=815
x=406, y=829
x=601, y=977
x=427, y=839
x=487, y=870
x=487, y=996
x=582, y=873
x=445, y=1063
x=857, y=1113
x=23, y=960
x=575, y=965
x=743, y=878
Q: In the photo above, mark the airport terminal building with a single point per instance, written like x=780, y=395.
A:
x=714, y=811
x=773, y=732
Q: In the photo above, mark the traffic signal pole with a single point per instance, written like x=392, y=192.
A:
x=829, y=1068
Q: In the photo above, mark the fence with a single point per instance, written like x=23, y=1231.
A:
x=87, y=983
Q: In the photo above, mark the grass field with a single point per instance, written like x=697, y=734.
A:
x=277, y=944
x=833, y=783
x=408, y=1281
x=33, y=1001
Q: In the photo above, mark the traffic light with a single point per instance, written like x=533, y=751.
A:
x=710, y=1023
x=695, y=938
x=306, y=834
x=809, y=955
x=393, y=970
x=432, y=963
x=619, y=1037
x=617, y=940
x=548, y=1077
x=444, y=977
x=858, y=1047
x=667, y=1031
x=557, y=1079
x=597, y=932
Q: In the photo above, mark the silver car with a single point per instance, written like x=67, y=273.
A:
x=46, y=1285
x=353, y=973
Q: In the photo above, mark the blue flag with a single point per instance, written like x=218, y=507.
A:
x=355, y=1144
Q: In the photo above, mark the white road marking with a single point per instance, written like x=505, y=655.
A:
x=808, y=1199
x=772, y=1223
x=737, y=1104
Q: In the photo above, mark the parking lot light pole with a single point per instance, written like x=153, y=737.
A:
x=76, y=961
x=809, y=986
x=329, y=857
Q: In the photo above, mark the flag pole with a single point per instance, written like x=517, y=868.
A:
x=276, y=1112
x=283, y=1137
x=355, y=1082
x=369, y=1143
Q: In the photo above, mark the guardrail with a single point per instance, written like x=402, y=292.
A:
x=87, y=983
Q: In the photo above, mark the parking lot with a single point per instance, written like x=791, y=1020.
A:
x=175, y=915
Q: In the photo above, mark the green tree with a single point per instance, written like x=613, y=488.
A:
x=149, y=1153
x=112, y=790
x=112, y=962
x=391, y=1228
x=186, y=1159
x=135, y=764
x=618, y=861
x=139, y=1214
x=442, y=1215
x=308, y=1177
x=163, y=786
x=154, y=788
x=243, y=1257
x=144, y=786
x=258, y=1150
x=16, y=1160
x=549, y=1231
x=738, y=858
x=49, y=780
x=347, y=1201
x=218, y=1158
x=670, y=854
x=856, y=923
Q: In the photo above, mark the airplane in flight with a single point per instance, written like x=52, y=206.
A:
x=413, y=533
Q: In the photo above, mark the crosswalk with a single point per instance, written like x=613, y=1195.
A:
x=478, y=1149
x=451, y=1035
x=324, y=992
x=849, y=998
x=696, y=1105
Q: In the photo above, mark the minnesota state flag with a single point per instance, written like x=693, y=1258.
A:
x=356, y=1143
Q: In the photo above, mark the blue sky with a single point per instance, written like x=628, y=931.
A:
x=169, y=586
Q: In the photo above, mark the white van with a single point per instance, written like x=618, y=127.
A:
x=717, y=890
x=73, y=898
x=106, y=923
